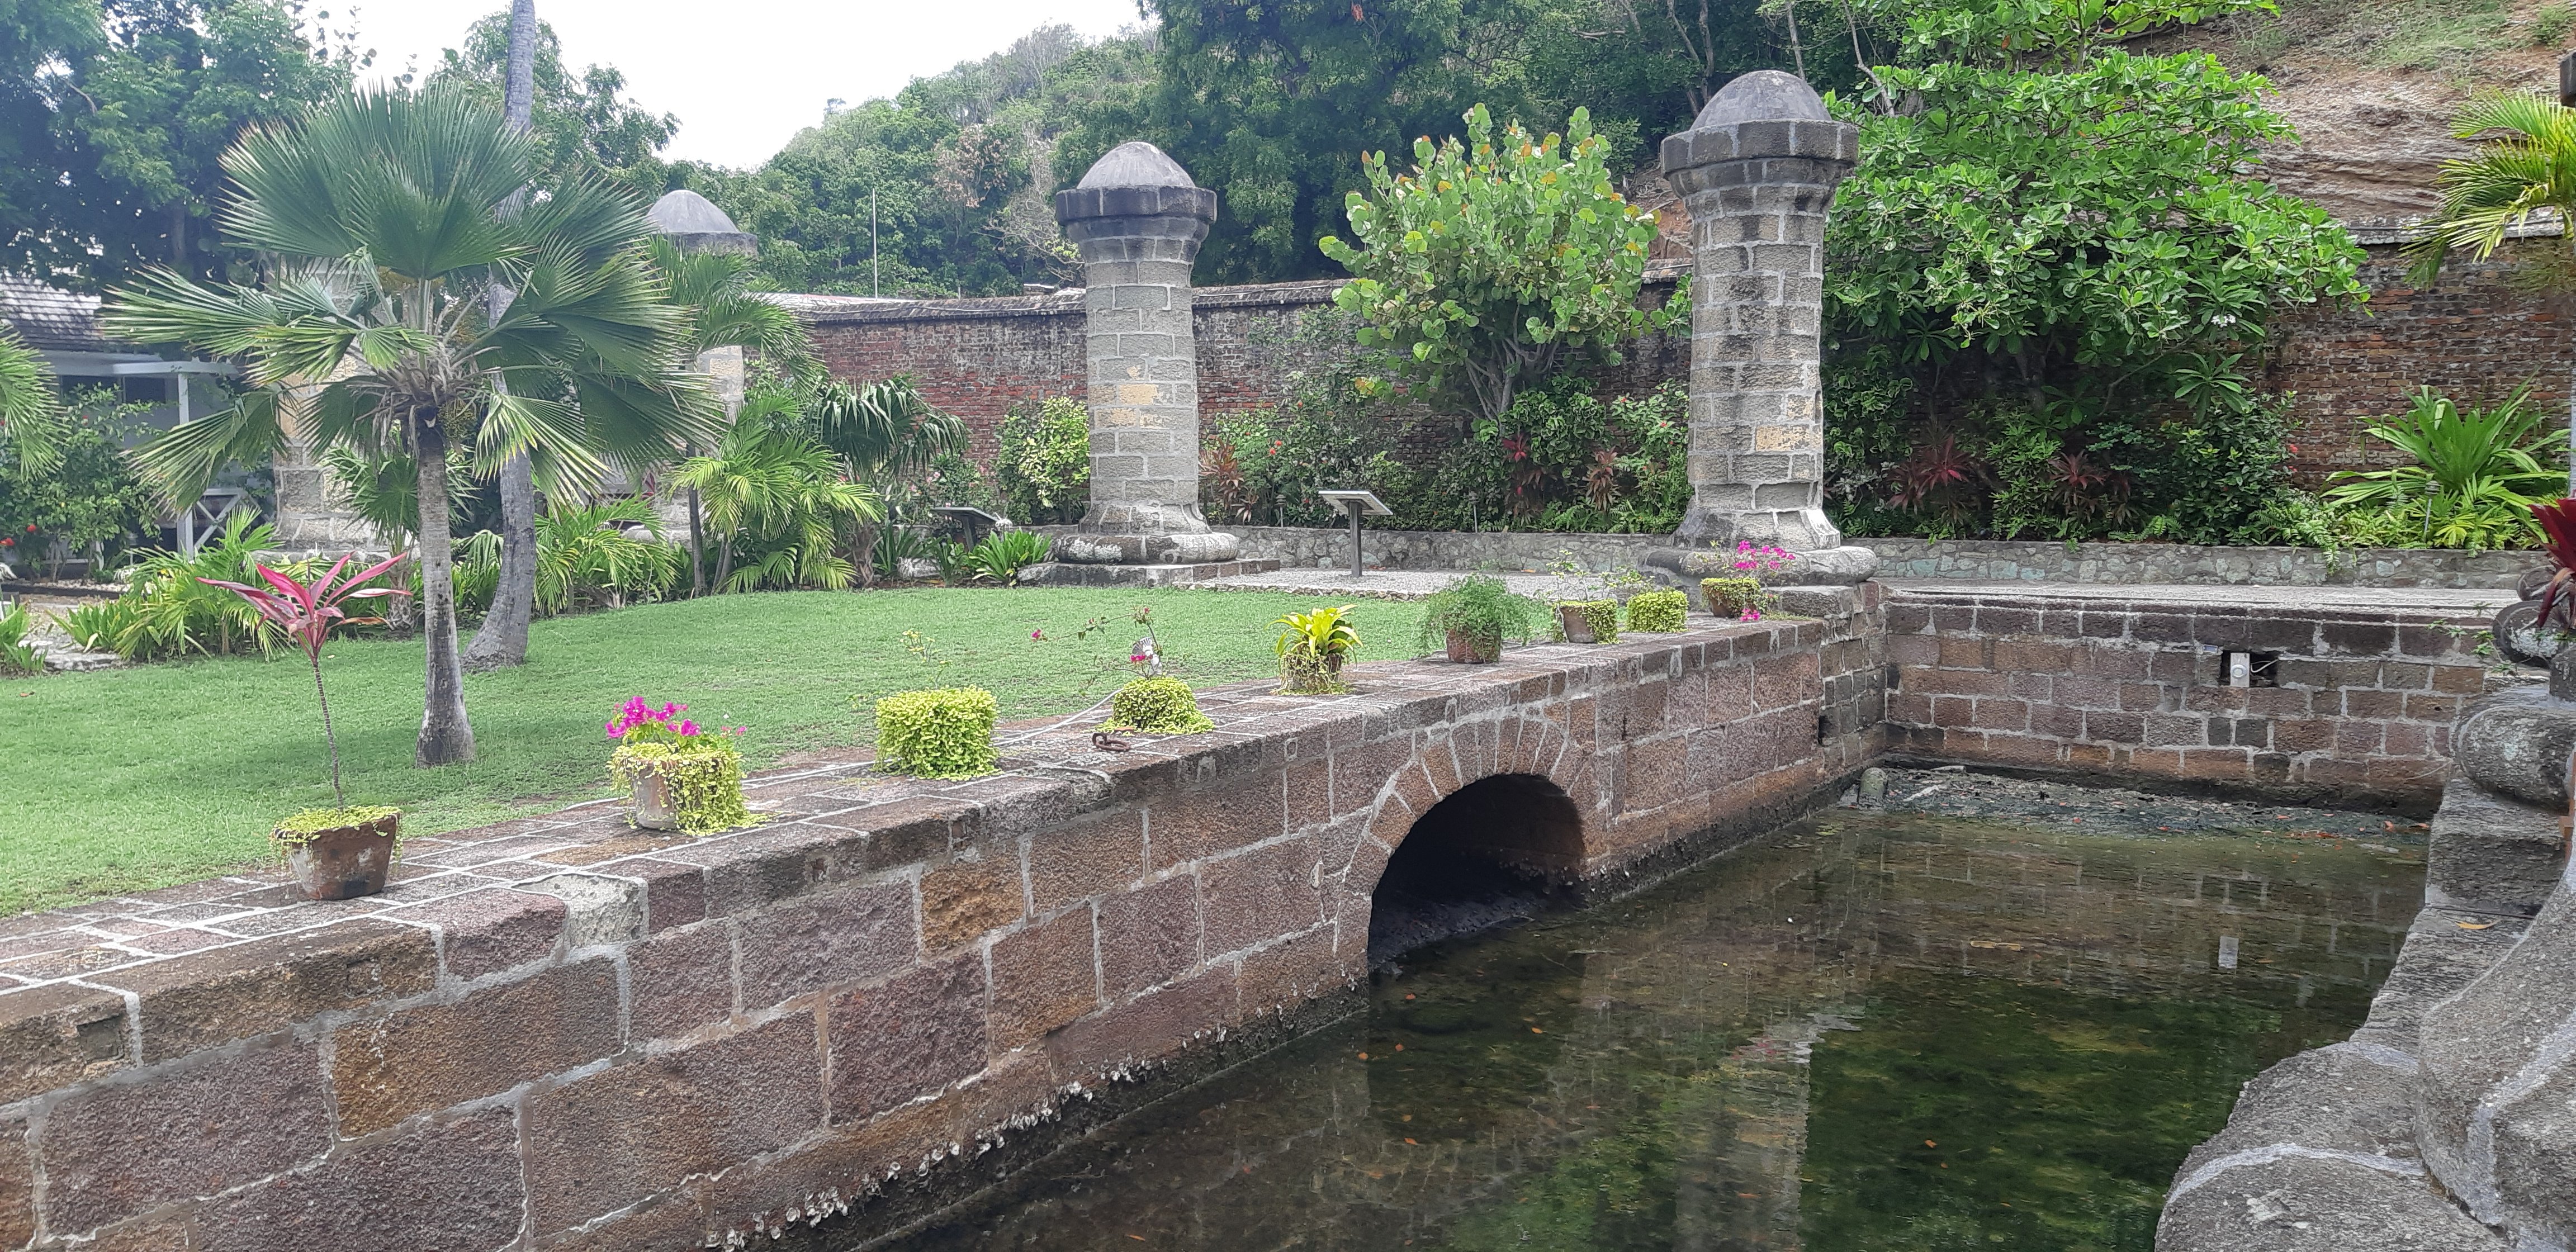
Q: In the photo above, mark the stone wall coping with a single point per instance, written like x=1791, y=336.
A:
x=103, y=987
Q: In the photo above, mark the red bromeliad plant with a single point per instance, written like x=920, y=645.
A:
x=2558, y=530
x=306, y=613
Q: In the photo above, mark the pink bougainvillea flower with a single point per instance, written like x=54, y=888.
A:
x=1037, y=634
x=688, y=728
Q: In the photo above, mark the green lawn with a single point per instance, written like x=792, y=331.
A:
x=134, y=778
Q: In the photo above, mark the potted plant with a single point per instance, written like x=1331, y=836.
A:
x=346, y=851
x=1587, y=621
x=1742, y=596
x=1312, y=649
x=1471, y=617
x=676, y=774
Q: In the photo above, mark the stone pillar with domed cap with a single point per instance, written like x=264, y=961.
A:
x=1138, y=220
x=1757, y=172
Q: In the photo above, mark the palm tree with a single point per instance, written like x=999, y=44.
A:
x=32, y=424
x=2531, y=166
x=715, y=290
x=889, y=434
x=385, y=214
x=503, y=638
x=777, y=496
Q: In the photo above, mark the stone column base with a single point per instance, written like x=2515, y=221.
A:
x=1069, y=574
x=1846, y=566
x=1195, y=548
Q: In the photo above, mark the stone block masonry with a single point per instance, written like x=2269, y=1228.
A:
x=564, y=1033
x=2346, y=702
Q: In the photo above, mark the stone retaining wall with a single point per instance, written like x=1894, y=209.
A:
x=563, y=1033
x=1977, y=560
x=2361, y=701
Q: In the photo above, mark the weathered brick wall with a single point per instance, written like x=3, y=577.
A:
x=2364, y=704
x=564, y=1033
x=2475, y=335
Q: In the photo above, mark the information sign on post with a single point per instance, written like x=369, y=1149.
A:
x=1359, y=503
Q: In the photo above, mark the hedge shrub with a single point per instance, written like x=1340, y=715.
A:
x=946, y=733
x=1657, y=611
x=1157, y=706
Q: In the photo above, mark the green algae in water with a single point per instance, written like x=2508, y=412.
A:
x=1882, y=1033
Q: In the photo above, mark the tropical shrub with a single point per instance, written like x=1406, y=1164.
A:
x=1313, y=647
x=1156, y=706
x=1660, y=612
x=17, y=656
x=1480, y=607
x=778, y=499
x=1044, y=465
x=97, y=624
x=81, y=492
x=2472, y=477
x=1003, y=554
x=898, y=544
x=175, y=605
x=1495, y=259
x=304, y=614
x=701, y=766
x=945, y=733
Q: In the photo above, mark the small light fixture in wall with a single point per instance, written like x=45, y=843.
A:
x=2251, y=669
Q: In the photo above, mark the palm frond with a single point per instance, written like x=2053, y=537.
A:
x=32, y=422
x=186, y=458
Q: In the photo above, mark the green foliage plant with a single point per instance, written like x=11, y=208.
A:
x=1003, y=554
x=32, y=424
x=1496, y=258
x=777, y=499
x=701, y=767
x=944, y=733
x=1743, y=599
x=1657, y=612
x=1313, y=646
x=2550, y=28
x=1157, y=706
x=312, y=824
x=174, y=605
x=17, y=656
x=1483, y=609
x=2526, y=163
x=2473, y=474
x=1601, y=617
x=1044, y=465
x=79, y=490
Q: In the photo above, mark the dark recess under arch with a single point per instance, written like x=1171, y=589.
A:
x=1494, y=851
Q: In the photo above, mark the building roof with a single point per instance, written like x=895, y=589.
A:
x=51, y=319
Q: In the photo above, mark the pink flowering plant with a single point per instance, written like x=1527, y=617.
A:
x=1757, y=560
x=306, y=613
x=701, y=766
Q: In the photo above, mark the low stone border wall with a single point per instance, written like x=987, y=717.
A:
x=564, y=1033
x=1968, y=560
x=2359, y=701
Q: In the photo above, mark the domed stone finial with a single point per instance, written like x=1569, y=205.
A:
x=1136, y=163
x=1762, y=96
x=694, y=223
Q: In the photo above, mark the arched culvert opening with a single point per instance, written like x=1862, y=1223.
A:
x=1496, y=851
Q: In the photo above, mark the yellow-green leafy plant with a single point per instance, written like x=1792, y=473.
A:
x=943, y=733
x=1157, y=706
x=1601, y=616
x=1743, y=599
x=700, y=767
x=1658, y=611
x=1312, y=648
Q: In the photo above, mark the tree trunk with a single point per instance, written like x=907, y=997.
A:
x=445, y=736
x=503, y=637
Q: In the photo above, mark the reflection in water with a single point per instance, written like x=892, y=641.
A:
x=1870, y=1033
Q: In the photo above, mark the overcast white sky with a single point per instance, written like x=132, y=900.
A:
x=743, y=75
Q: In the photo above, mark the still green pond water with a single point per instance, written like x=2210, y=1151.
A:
x=1867, y=1033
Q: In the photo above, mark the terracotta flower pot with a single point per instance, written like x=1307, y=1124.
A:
x=344, y=862
x=1570, y=621
x=1467, y=649
x=652, y=801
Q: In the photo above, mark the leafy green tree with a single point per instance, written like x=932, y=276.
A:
x=2053, y=241
x=83, y=492
x=386, y=212
x=1497, y=257
x=583, y=122
x=115, y=133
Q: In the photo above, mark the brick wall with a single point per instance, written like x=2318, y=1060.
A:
x=2363, y=706
x=2475, y=335
x=563, y=1033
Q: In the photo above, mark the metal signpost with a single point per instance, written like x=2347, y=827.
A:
x=1358, y=502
